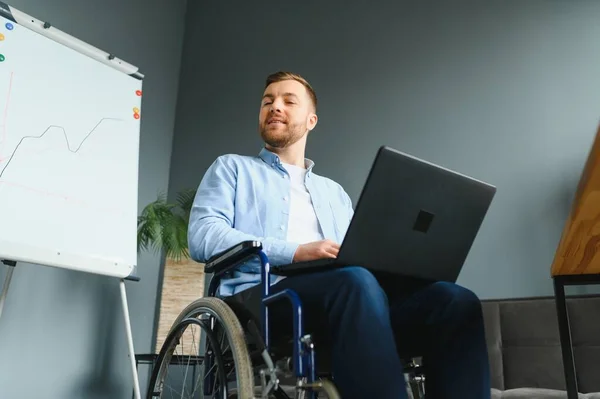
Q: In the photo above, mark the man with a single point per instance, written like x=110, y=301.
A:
x=298, y=215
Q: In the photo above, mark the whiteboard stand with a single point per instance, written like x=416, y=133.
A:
x=11, y=267
x=69, y=175
x=136, y=383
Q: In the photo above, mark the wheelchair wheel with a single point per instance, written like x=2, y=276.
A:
x=204, y=356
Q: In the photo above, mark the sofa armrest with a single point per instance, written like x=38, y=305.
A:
x=228, y=259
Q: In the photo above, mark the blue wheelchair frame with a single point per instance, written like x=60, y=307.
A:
x=303, y=350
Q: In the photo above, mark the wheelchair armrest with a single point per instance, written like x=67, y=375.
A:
x=232, y=257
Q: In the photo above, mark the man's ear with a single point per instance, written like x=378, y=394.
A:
x=312, y=121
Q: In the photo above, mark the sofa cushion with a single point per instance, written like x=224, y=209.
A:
x=493, y=337
x=531, y=345
x=537, y=393
x=523, y=340
x=584, y=318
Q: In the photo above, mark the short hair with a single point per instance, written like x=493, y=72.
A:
x=284, y=75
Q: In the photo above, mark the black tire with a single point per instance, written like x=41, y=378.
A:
x=222, y=313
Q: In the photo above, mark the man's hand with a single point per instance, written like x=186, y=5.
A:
x=316, y=250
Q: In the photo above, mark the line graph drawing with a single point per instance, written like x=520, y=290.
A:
x=10, y=158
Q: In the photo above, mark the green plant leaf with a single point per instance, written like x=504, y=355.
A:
x=174, y=237
x=163, y=226
x=185, y=200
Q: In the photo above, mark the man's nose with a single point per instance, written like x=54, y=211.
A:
x=276, y=106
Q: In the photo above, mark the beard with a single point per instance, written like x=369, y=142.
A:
x=282, y=136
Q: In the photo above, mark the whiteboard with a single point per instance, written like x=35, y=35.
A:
x=69, y=147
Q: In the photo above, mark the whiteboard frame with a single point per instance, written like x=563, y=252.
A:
x=46, y=29
x=13, y=251
x=70, y=261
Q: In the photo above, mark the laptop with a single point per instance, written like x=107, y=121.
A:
x=413, y=218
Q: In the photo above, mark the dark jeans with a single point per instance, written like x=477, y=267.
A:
x=370, y=321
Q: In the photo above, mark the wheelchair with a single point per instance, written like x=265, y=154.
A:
x=232, y=354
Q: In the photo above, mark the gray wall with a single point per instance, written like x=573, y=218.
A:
x=507, y=92
x=62, y=334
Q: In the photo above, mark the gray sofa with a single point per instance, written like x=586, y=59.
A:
x=524, y=347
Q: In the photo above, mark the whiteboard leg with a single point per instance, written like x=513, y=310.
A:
x=136, y=383
x=7, y=279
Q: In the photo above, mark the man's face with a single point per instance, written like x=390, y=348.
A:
x=286, y=113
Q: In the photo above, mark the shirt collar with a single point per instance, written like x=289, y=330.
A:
x=273, y=159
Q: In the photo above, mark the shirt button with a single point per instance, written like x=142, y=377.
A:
x=285, y=198
x=282, y=228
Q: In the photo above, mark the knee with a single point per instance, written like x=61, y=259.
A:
x=356, y=277
x=359, y=283
x=460, y=302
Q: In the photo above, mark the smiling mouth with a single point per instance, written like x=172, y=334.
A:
x=275, y=122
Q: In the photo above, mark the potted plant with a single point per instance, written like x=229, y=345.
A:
x=162, y=228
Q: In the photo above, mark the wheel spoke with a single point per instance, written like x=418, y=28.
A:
x=224, y=338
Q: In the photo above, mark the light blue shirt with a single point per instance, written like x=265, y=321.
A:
x=243, y=198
